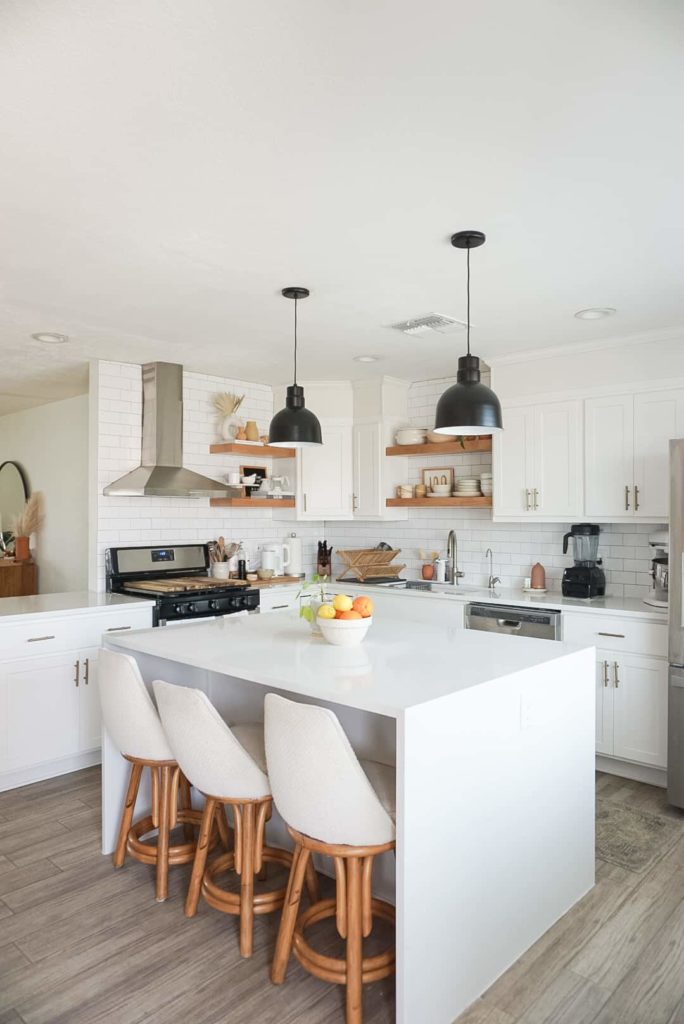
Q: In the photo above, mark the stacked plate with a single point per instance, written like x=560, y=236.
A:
x=486, y=484
x=467, y=487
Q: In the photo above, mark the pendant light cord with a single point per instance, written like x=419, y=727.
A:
x=468, y=294
x=295, y=340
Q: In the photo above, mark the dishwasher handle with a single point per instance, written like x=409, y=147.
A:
x=510, y=623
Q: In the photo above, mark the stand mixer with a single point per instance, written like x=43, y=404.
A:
x=660, y=542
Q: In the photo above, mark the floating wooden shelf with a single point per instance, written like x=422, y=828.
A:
x=476, y=502
x=252, y=502
x=251, y=450
x=478, y=444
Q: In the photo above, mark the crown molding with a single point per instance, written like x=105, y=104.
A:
x=648, y=337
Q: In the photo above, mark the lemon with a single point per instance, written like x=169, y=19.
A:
x=326, y=611
x=342, y=603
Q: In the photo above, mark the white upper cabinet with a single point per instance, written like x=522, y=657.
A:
x=375, y=475
x=609, y=455
x=324, y=474
x=538, y=462
x=627, y=470
x=658, y=417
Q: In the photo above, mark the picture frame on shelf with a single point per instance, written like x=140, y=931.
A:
x=261, y=473
x=440, y=475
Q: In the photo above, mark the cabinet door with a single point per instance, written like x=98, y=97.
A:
x=658, y=417
x=39, y=710
x=604, y=703
x=367, y=469
x=513, y=463
x=640, y=709
x=609, y=456
x=89, y=718
x=324, y=475
x=557, y=472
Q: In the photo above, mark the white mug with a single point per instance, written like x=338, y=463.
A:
x=234, y=479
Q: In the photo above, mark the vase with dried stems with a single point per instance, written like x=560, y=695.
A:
x=29, y=521
x=227, y=406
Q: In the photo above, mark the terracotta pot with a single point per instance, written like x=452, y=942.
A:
x=428, y=571
x=538, y=576
x=251, y=430
x=22, y=552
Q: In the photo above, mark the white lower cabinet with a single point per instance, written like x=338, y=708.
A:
x=49, y=702
x=631, y=707
x=278, y=599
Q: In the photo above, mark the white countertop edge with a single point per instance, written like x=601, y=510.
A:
x=38, y=606
x=631, y=607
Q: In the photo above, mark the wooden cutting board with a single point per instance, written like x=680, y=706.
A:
x=276, y=581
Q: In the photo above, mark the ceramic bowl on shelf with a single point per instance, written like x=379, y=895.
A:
x=441, y=490
x=265, y=574
x=410, y=435
x=344, y=632
x=434, y=438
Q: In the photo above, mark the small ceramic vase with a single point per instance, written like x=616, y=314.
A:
x=229, y=427
x=22, y=552
x=428, y=571
x=251, y=431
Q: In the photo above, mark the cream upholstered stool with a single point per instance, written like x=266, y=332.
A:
x=228, y=766
x=131, y=719
x=336, y=805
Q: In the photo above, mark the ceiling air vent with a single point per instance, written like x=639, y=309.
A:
x=431, y=322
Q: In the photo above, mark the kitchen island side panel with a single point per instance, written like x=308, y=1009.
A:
x=495, y=829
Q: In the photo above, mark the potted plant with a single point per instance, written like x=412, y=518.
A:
x=313, y=592
x=27, y=522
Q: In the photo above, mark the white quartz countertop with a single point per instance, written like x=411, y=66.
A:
x=38, y=605
x=390, y=672
x=629, y=606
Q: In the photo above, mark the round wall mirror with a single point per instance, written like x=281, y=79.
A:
x=14, y=490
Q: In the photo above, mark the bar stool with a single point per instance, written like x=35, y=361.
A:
x=228, y=766
x=130, y=718
x=336, y=805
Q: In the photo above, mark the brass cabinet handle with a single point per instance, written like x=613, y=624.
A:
x=605, y=673
x=626, y=498
x=527, y=500
x=37, y=639
x=355, y=503
x=116, y=629
x=620, y=636
x=77, y=669
x=636, y=498
x=615, y=674
x=86, y=671
x=305, y=501
x=535, y=492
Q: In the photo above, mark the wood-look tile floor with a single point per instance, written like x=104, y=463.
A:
x=81, y=943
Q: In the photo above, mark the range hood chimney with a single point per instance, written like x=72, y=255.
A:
x=161, y=470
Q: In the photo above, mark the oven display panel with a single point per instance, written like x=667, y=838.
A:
x=163, y=555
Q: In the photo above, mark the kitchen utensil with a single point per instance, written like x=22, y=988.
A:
x=585, y=578
x=275, y=556
x=362, y=563
x=221, y=547
x=265, y=574
x=295, y=567
x=219, y=570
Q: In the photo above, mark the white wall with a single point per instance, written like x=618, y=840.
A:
x=51, y=443
x=116, y=425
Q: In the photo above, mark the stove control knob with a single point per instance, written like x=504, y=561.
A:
x=213, y=606
x=178, y=609
x=192, y=608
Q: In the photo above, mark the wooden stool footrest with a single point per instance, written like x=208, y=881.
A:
x=229, y=902
x=146, y=852
x=332, y=969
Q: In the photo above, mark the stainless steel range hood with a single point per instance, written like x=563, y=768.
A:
x=161, y=471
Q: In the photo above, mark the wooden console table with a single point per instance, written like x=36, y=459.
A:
x=18, y=579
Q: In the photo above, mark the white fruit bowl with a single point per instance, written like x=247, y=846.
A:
x=344, y=632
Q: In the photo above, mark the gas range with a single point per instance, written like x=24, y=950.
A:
x=176, y=578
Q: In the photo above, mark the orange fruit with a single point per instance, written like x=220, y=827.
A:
x=364, y=606
x=348, y=615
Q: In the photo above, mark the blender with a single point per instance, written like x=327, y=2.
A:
x=585, y=578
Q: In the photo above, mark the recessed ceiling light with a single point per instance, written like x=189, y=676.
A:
x=51, y=338
x=366, y=359
x=595, y=313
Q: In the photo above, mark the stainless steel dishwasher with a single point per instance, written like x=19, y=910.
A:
x=539, y=623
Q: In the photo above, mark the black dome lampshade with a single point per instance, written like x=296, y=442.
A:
x=469, y=406
x=295, y=426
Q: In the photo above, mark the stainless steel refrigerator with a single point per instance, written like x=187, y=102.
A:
x=675, y=739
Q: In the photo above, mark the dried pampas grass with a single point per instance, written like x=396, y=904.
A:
x=228, y=404
x=31, y=518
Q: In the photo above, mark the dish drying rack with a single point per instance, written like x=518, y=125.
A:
x=365, y=563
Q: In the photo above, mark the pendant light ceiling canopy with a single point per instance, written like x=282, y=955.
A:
x=295, y=426
x=469, y=406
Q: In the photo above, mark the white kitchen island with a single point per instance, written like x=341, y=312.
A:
x=493, y=740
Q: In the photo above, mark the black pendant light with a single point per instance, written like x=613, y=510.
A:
x=294, y=426
x=469, y=406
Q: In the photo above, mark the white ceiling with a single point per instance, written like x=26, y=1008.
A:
x=168, y=166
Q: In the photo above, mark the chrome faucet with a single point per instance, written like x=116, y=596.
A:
x=493, y=580
x=452, y=574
